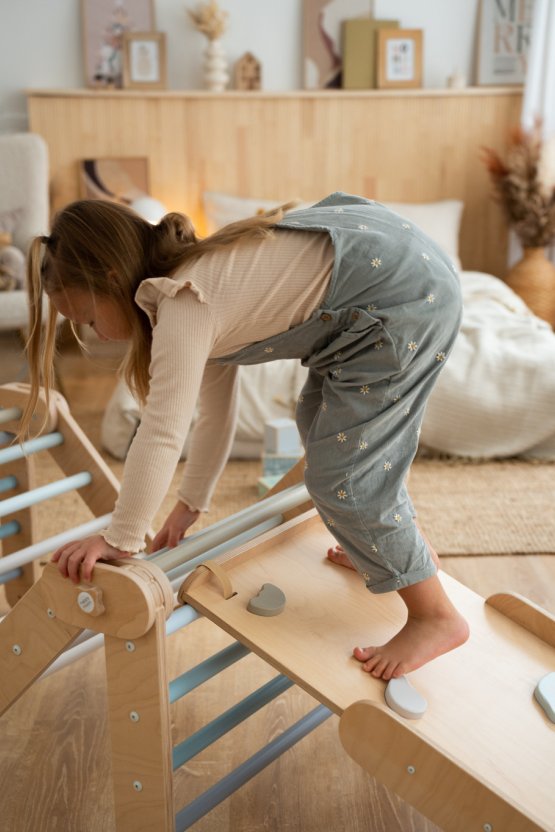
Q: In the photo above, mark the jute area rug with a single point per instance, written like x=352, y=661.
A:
x=465, y=508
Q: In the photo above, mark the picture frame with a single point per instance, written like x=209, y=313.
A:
x=114, y=178
x=144, y=60
x=103, y=24
x=504, y=31
x=400, y=58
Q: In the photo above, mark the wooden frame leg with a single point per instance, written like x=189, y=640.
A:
x=23, y=654
x=138, y=710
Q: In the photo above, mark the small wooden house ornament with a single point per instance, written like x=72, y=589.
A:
x=248, y=73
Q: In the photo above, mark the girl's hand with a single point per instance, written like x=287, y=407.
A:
x=76, y=559
x=175, y=526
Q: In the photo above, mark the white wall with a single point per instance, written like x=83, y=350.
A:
x=40, y=43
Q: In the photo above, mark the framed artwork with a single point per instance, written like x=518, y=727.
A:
x=144, y=60
x=104, y=23
x=399, y=58
x=504, y=32
x=322, y=24
x=121, y=179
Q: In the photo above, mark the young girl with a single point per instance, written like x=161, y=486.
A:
x=367, y=302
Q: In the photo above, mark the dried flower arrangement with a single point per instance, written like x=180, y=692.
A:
x=524, y=185
x=209, y=19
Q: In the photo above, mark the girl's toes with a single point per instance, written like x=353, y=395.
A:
x=363, y=654
x=390, y=671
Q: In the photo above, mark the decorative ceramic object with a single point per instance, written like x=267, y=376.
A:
x=524, y=187
x=216, y=75
x=209, y=19
x=533, y=279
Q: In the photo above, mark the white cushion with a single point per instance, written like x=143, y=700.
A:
x=439, y=220
x=221, y=209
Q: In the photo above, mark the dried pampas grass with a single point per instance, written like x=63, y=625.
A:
x=524, y=185
x=209, y=19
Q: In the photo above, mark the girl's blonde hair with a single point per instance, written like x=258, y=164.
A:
x=107, y=248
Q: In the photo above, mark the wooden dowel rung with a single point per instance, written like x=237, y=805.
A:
x=7, y=483
x=44, y=492
x=8, y=414
x=32, y=446
x=44, y=547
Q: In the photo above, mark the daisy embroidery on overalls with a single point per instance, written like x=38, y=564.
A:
x=371, y=307
x=375, y=262
x=387, y=465
x=363, y=444
x=425, y=256
x=378, y=345
x=341, y=437
x=397, y=517
x=342, y=494
x=412, y=346
x=365, y=389
x=441, y=356
x=430, y=299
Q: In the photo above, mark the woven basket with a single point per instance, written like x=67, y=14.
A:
x=533, y=279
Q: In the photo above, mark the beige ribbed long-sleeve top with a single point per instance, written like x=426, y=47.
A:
x=226, y=300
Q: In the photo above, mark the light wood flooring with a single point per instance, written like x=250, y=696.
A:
x=54, y=745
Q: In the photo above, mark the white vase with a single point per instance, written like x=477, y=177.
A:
x=216, y=76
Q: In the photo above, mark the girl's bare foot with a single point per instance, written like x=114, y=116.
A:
x=433, y=627
x=337, y=554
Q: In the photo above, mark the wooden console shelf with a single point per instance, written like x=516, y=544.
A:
x=401, y=146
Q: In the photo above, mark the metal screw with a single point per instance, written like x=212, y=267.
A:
x=411, y=769
x=487, y=827
x=17, y=650
x=51, y=613
x=129, y=646
x=137, y=785
x=134, y=716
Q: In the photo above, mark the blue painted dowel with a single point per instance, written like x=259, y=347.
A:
x=180, y=618
x=7, y=483
x=177, y=575
x=205, y=670
x=243, y=773
x=5, y=437
x=50, y=544
x=10, y=576
x=7, y=529
x=32, y=446
x=201, y=739
x=9, y=413
x=45, y=492
x=234, y=524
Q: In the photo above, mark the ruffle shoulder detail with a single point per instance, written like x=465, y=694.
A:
x=153, y=290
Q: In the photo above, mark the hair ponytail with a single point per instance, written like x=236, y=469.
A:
x=40, y=345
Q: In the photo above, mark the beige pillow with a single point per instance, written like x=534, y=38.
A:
x=439, y=220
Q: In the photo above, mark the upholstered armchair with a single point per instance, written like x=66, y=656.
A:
x=24, y=213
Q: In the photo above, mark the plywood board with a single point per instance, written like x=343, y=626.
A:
x=481, y=709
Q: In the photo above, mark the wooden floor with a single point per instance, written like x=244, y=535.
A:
x=54, y=757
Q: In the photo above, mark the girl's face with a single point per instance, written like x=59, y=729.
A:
x=100, y=313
